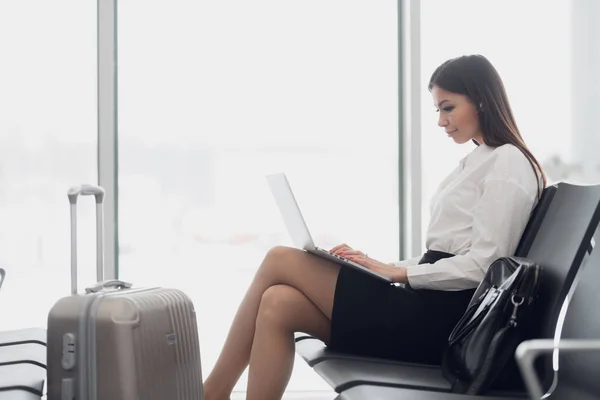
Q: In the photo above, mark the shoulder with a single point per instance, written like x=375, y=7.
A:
x=511, y=164
x=509, y=153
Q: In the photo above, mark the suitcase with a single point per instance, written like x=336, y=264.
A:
x=116, y=342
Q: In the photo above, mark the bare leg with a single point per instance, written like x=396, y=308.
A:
x=313, y=276
x=283, y=311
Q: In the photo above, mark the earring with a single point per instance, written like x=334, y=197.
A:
x=481, y=107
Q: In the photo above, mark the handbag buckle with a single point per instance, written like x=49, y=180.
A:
x=517, y=301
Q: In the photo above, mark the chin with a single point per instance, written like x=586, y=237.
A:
x=460, y=140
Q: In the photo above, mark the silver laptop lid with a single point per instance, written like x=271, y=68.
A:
x=292, y=217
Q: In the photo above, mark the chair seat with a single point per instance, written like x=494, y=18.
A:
x=19, y=336
x=370, y=392
x=32, y=353
x=313, y=351
x=18, y=395
x=301, y=336
x=342, y=374
x=23, y=376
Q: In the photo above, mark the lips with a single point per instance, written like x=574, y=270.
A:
x=451, y=132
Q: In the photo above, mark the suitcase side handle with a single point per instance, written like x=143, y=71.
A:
x=111, y=283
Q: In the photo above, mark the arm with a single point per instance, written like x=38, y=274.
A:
x=396, y=271
x=499, y=217
x=529, y=350
x=406, y=263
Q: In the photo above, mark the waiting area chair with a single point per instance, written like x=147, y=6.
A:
x=22, y=363
x=558, y=237
x=573, y=377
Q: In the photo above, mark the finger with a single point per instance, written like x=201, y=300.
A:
x=339, y=247
x=343, y=250
x=347, y=253
x=335, y=248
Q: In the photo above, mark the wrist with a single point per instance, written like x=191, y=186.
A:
x=401, y=275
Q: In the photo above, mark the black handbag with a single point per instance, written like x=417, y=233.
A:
x=481, y=347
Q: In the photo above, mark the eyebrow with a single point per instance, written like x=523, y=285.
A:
x=441, y=102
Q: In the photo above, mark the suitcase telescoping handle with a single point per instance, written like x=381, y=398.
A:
x=73, y=194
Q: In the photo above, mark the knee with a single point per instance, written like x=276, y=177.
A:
x=277, y=257
x=277, y=306
x=280, y=253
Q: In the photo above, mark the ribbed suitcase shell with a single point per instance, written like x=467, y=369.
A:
x=129, y=344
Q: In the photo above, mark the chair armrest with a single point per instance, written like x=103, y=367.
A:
x=529, y=350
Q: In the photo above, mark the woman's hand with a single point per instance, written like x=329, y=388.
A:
x=396, y=274
x=343, y=248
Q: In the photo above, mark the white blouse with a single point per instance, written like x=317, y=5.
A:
x=478, y=213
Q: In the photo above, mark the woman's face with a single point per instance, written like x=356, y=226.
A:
x=458, y=116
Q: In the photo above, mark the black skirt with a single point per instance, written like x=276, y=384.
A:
x=375, y=319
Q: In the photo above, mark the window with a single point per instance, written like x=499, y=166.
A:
x=538, y=48
x=48, y=143
x=213, y=96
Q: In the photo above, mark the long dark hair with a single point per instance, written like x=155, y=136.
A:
x=475, y=77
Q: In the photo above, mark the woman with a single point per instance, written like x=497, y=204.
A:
x=477, y=215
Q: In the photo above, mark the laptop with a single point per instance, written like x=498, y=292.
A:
x=297, y=228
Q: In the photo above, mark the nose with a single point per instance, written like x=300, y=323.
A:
x=442, y=120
